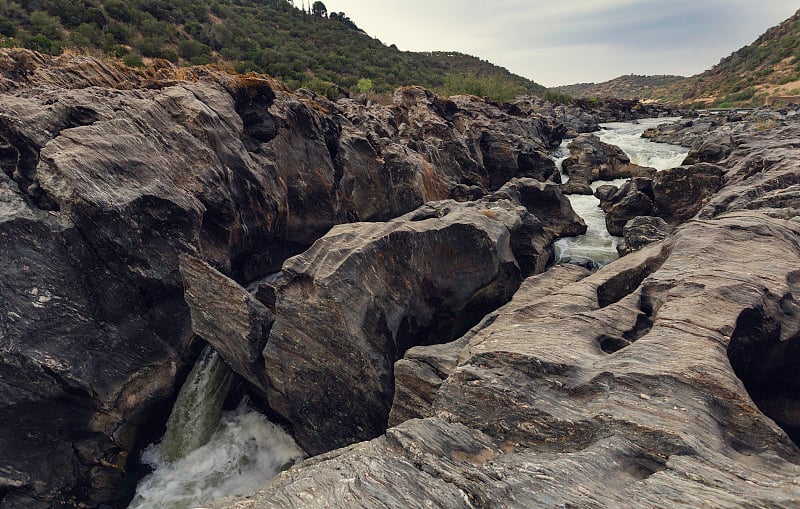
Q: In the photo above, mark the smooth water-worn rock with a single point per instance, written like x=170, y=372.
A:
x=109, y=174
x=641, y=231
x=675, y=195
x=590, y=159
x=666, y=378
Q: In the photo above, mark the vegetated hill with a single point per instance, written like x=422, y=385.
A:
x=631, y=86
x=308, y=49
x=768, y=67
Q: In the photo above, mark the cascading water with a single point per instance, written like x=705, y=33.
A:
x=208, y=454
x=597, y=246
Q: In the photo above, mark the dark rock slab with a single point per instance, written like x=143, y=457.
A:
x=363, y=295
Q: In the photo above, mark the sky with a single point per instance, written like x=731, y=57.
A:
x=560, y=42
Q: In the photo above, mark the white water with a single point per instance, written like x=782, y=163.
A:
x=597, y=246
x=241, y=451
x=641, y=151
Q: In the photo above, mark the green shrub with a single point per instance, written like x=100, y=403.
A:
x=43, y=44
x=7, y=28
x=364, y=85
x=133, y=60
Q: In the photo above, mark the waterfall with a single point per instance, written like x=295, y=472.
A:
x=207, y=453
x=197, y=411
x=598, y=247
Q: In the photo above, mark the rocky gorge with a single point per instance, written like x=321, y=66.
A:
x=414, y=342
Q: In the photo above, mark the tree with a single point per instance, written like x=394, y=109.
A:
x=364, y=85
x=318, y=9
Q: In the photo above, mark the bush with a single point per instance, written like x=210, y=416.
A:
x=44, y=45
x=133, y=60
x=46, y=25
x=190, y=49
x=7, y=28
x=364, y=85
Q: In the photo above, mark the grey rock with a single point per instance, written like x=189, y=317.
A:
x=607, y=391
x=590, y=160
x=109, y=174
x=641, y=231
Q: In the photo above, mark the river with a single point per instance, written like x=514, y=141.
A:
x=208, y=453
x=597, y=246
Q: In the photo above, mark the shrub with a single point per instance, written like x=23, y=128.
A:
x=364, y=85
x=44, y=45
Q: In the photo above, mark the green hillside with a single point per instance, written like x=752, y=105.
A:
x=768, y=67
x=307, y=49
x=631, y=86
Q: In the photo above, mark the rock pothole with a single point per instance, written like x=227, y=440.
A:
x=767, y=366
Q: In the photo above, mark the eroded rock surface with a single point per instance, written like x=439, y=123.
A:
x=109, y=174
x=675, y=195
x=591, y=159
x=660, y=380
x=349, y=307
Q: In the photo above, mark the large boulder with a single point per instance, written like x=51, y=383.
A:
x=349, y=307
x=675, y=195
x=365, y=293
x=632, y=199
x=591, y=159
x=679, y=193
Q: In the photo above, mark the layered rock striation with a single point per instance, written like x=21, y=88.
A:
x=664, y=379
x=110, y=174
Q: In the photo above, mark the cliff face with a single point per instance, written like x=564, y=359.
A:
x=109, y=174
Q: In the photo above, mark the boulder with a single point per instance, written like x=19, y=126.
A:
x=679, y=193
x=229, y=318
x=675, y=195
x=632, y=199
x=366, y=293
x=590, y=160
x=712, y=148
x=641, y=231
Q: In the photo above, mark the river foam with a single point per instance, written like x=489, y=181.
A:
x=597, y=247
x=208, y=454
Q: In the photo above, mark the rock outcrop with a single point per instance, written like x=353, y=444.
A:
x=641, y=231
x=109, y=174
x=675, y=195
x=591, y=159
x=664, y=379
x=349, y=307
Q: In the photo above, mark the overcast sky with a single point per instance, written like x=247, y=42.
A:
x=559, y=42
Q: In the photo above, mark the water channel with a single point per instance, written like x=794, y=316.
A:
x=598, y=247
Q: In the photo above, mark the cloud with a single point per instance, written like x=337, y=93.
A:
x=563, y=41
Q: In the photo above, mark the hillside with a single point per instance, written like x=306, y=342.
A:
x=631, y=86
x=309, y=49
x=768, y=67
x=764, y=70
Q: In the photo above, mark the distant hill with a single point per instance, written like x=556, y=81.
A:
x=631, y=86
x=767, y=68
x=309, y=49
